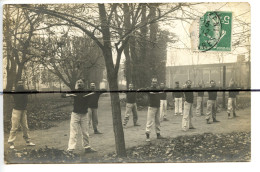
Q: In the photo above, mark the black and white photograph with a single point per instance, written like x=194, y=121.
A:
x=132, y=82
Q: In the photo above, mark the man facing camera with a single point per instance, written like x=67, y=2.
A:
x=19, y=115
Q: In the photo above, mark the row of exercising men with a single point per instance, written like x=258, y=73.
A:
x=86, y=104
x=157, y=108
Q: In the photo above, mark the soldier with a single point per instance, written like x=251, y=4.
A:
x=199, y=108
x=153, y=115
x=163, y=103
x=187, y=114
x=232, y=95
x=177, y=97
x=19, y=115
x=212, y=102
x=93, y=98
x=131, y=106
x=79, y=118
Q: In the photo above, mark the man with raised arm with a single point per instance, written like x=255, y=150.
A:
x=79, y=118
x=19, y=115
x=131, y=106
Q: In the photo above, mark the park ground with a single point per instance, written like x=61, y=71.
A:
x=57, y=137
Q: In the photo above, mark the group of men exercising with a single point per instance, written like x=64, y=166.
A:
x=85, y=107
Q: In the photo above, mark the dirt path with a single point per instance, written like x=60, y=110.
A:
x=57, y=137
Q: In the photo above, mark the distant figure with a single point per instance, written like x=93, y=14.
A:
x=163, y=103
x=131, y=106
x=153, y=115
x=19, y=115
x=177, y=97
x=79, y=118
x=199, y=108
x=232, y=95
x=212, y=102
x=93, y=98
x=187, y=114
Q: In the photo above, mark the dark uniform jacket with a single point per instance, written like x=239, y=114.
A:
x=200, y=93
x=213, y=93
x=20, y=101
x=188, y=95
x=163, y=94
x=154, y=96
x=80, y=103
x=131, y=97
x=21, y=98
x=93, y=97
x=177, y=94
x=232, y=94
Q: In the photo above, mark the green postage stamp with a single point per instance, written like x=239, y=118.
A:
x=215, y=29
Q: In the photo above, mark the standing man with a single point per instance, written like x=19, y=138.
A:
x=93, y=98
x=232, y=95
x=163, y=103
x=199, y=108
x=153, y=115
x=177, y=96
x=79, y=118
x=19, y=115
x=131, y=106
x=212, y=102
x=187, y=114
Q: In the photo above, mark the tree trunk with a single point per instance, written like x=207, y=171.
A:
x=113, y=85
x=11, y=65
x=145, y=79
x=19, y=72
x=153, y=40
x=134, y=60
x=127, y=26
x=128, y=71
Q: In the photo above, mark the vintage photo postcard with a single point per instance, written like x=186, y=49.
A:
x=126, y=82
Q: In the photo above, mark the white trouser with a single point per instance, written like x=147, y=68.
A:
x=187, y=115
x=211, y=109
x=153, y=116
x=199, y=108
x=92, y=118
x=231, y=105
x=78, y=120
x=178, y=105
x=130, y=108
x=163, y=109
x=19, y=117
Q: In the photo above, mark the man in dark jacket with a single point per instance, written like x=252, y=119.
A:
x=212, y=102
x=131, y=106
x=153, y=115
x=232, y=95
x=93, y=98
x=79, y=118
x=19, y=115
x=177, y=97
x=187, y=113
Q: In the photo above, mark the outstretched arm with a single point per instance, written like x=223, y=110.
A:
x=89, y=94
x=64, y=95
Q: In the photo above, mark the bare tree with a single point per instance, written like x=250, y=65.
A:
x=97, y=28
